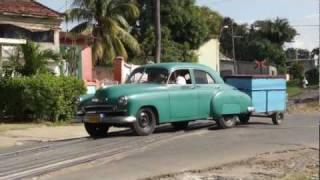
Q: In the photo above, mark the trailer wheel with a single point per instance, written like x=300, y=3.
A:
x=244, y=118
x=277, y=118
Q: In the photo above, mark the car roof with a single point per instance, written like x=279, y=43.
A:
x=177, y=65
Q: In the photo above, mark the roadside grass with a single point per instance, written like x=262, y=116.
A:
x=298, y=176
x=312, y=106
x=293, y=91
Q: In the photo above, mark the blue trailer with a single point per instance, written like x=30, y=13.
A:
x=268, y=94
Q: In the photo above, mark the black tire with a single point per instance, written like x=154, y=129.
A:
x=244, y=118
x=180, y=125
x=226, y=122
x=96, y=130
x=277, y=118
x=146, y=122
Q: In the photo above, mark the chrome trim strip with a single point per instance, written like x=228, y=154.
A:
x=114, y=119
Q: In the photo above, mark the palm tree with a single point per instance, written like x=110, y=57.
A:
x=277, y=31
x=35, y=60
x=108, y=22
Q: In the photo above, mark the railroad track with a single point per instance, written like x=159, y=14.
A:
x=51, y=157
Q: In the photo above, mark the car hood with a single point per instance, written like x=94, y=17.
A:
x=127, y=90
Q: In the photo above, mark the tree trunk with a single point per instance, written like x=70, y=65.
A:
x=158, y=30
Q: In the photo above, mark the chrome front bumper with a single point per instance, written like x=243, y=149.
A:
x=251, y=109
x=100, y=118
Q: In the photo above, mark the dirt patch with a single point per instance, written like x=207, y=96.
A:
x=285, y=165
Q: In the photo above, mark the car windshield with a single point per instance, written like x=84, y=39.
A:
x=148, y=75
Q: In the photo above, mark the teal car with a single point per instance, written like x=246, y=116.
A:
x=154, y=94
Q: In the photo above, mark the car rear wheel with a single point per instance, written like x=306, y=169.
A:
x=180, y=125
x=96, y=130
x=145, y=123
x=244, y=118
x=277, y=118
x=226, y=122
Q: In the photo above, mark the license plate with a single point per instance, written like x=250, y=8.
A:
x=94, y=118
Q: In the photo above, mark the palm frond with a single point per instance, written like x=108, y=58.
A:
x=83, y=27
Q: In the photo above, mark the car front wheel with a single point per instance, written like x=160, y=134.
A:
x=96, y=130
x=145, y=123
x=226, y=122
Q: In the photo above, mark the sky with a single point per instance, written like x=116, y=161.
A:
x=298, y=12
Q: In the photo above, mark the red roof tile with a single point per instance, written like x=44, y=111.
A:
x=28, y=8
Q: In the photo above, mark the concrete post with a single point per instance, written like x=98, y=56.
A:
x=56, y=39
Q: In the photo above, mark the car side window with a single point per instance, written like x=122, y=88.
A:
x=202, y=77
x=180, y=77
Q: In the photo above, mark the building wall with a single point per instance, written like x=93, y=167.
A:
x=208, y=54
x=86, y=66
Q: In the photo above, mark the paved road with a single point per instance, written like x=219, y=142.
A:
x=128, y=157
x=203, y=148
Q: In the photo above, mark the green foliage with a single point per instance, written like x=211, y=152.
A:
x=185, y=27
x=108, y=21
x=294, y=83
x=40, y=97
x=263, y=40
x=278, y=31
x=36, y=60
x=313, y=76
x=28, y=59
x=171, y=50
x=213, y=20
x=296, y=71
x=72, y=56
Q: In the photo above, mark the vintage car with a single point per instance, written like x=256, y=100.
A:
x=154, y=94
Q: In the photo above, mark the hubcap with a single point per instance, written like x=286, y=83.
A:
x=144, y=119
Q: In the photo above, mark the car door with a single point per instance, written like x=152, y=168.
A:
x=183, y=98
x=206, y=89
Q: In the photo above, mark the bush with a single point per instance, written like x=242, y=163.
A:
x=40, y=97
x=294, y=83
x=312, y=76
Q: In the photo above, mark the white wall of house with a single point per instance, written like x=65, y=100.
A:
x=208, y=54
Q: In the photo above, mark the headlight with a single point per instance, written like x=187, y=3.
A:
x=123, y=100
x=78, y=101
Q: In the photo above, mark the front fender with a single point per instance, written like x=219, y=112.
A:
x=158, y=100
x=230, y=102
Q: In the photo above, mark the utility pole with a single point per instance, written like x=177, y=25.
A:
x=319, y=56
x=158, y=30
x=234, y=51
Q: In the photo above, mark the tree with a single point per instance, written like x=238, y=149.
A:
x=108, y=22
x=278, y=31
x=72, y=56
x=296, y=71
x=35, y=60
x=213, y=20
x=262, y=40
x=171, y=51
x=182, y=19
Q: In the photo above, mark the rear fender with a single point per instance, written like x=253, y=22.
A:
x=230, y=102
